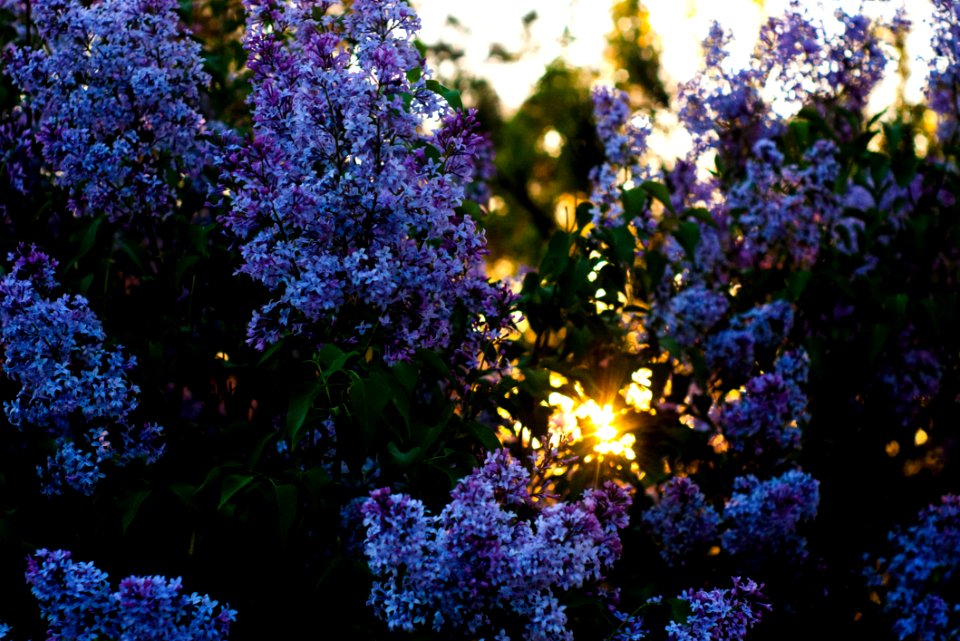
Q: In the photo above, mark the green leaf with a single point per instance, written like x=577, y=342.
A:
x=132, y=504
x=452, y=96
x=797, y=282
x=87, y=237
x=484, y=435
x=300, y=404
x=584, y=214
x=288, y=502
x=557, y=255
x=634, y=201
x=231, y=485
x=623, y=243
x=403, y=459
x=660, y=192
x=688, y=235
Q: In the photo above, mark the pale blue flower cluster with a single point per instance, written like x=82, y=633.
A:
x=347, y=198
x=943, y=81
x=764, y=421
x=720, y=614
x=78, y=604
x=116, y=90
x=71, y=385
x=492, y=554
x=764, y=517
x=682, y=520
x=918, y=582
x=624, y=141
x=724, y=108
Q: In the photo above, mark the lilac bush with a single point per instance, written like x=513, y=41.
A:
x=77, y=603
x=54, y=349
x=492, y=552
x=347, y=200
x=115, y=90
x=918, y=579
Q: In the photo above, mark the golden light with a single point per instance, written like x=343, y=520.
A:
x=920, y=437
x=718, y=443
x=222, y=356
x=637, y=393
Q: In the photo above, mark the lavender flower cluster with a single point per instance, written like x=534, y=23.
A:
x=763, y=422
x=492, y=554
x=725, y=110
x=760, y=519
x=347, y=198
x=624, y=141
x=115, y=88
x=782, y=210
x=763, y=517
x=943, y=81
x=54, y=349
x=919, y=580
x=77, y=602
x=682, y=522
x=720, y=614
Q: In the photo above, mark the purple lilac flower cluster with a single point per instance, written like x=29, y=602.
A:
x=492, y=552
x=783, y=210
x=689, y=315
x=910, y=381
x=682, y=521
x=624, y=140
x=77, y=602
x=54, y=349
x=763, y=517
x=763, y=422
x=919, y=580
x=726, y=110
x=116, y=91
x=943, y=81
x=346, y=202
x=720, y=614
x=736, y=348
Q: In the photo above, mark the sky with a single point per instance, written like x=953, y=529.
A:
x=680, y=24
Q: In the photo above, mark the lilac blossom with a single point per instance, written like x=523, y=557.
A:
x=799, y=59
x=723, y=109
x=77, y=602
x=915, y=581
x=763, y=422
x=910, y=381
x=764, y=328
x=720, y=614
x=763, y=517
x=689, y=315
x=54, y=349
x=783, y=211
x=943, y=81
x=492, y=552
x=116, y=91
x=346, y=201
x=682, y=520
x=624, y=140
